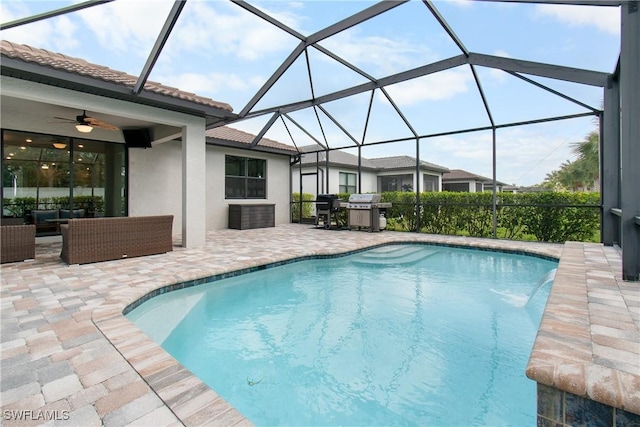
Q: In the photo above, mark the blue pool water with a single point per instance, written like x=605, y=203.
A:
x=398, y=335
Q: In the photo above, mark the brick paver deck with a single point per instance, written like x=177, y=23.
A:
x=67, y=352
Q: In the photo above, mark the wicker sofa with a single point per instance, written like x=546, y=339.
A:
x=18, y=242
x=86, y=240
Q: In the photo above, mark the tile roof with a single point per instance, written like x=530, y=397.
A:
x=81, y=67
x=404, y=162
x=462, y=175
x=230, y=134
x=338, y=157
x=459, y=174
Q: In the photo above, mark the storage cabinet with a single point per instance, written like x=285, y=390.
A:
x=242, y=217
x=365, y=218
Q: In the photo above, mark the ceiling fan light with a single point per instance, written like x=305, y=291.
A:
x=60, y=145
x=84, y=128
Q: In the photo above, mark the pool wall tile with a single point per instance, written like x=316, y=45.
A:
x=627, y=419
x=561, y=409
x=550, y=404
x=586, y=412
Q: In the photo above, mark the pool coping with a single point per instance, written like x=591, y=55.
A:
x=588, y=342
x=559, y=358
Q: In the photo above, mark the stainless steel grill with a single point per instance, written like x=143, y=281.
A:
x=367, y=211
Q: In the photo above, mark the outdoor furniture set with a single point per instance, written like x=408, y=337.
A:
x=86, y=240
x=18, y=242
x=49, y=220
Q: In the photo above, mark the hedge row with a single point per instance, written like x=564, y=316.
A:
x=546, y=217
x=20, y=206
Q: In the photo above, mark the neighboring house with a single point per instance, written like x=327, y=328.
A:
x=187, y=171
x=463, y=181
x=340, y=175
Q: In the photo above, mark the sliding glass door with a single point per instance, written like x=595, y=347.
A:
x=48, y=179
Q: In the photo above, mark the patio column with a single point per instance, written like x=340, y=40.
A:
x=630, y=139
x=193, y=185
x=610, y=163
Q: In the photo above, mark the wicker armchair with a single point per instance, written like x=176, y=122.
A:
x=86, y=240
x=18, y=242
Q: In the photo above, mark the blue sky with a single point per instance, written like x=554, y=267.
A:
x=219, y=50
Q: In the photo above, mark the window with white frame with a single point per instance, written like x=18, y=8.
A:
x=347, y=183
x=395, y=183
x=429, y=183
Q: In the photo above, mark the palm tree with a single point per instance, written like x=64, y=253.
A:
x=581, y=174
x=588, y=153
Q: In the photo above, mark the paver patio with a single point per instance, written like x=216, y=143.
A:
x=68, y=353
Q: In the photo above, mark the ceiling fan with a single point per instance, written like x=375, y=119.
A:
x=86, y=124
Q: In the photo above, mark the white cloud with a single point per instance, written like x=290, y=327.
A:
x=126, y=27
x=606, y=19
x=439, y=86
x=56, y=34
x=524, y=156
x=217, y=27
x=461, y=3
x=382, y=55
x=212, y=84
x=296, y=4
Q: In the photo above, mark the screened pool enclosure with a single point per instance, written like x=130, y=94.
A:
x=308, y=106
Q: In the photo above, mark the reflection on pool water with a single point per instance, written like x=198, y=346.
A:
x=397, y=335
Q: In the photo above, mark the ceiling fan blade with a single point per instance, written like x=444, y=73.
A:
x=100, y=124
x=65, y=119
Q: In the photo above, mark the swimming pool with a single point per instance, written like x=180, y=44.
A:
x=383, y=337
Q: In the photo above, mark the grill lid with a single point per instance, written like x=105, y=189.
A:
x=365, y=198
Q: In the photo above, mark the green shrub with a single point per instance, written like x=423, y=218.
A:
x=18, y=206
x=307, y=205
x=90, y=203
x=557, y=217
x=342, y=213
x=402, y=212
x=511, y=219
x=470, y=214
x=546, y=216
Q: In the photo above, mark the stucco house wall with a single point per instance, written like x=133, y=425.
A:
x=278, y=176
x=155, y=181
x=369, y=180
x=156, y=185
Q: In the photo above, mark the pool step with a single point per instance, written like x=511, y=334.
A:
x=394, y=255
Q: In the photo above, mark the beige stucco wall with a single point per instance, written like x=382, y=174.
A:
x=156, y=184
x=278, y=176
x=155, y=181
x=369, y=180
